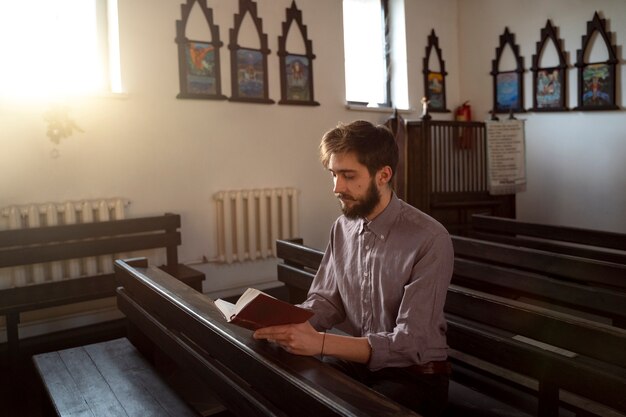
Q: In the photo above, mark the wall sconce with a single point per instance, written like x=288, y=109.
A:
x=60, y=125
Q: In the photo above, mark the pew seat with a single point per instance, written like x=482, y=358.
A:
x=106, y=379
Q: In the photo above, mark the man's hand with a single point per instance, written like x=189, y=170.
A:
x=299, y=339
x=303, y=339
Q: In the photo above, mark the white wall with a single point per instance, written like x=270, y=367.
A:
x=171, y=155
x=421, y=18
x=575, y=160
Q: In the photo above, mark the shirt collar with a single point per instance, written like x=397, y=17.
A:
x=382, y=223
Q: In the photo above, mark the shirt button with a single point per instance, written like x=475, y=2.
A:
x=367, y=248
x=382, y=237
x=365, y=274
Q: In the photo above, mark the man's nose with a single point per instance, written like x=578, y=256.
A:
x=338, y=185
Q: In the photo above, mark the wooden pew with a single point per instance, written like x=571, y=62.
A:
x=489, y=327
x=25, y=247
x=559, y=351
x=578, y=284
x=577, y=269
x=585, y=243
x=251, y=378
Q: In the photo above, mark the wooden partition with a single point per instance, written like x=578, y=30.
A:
x=446, y=173
x=250, y=377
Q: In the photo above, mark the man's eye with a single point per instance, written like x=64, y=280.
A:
x=349, y=176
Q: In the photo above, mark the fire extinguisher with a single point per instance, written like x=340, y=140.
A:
x=464, y=114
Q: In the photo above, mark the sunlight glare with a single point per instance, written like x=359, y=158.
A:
x=49, y=49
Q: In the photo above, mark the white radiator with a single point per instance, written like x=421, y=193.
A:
x=52, y=214
x=250, y=221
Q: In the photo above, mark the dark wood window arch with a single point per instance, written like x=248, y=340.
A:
x=597, y=80
x=435, y=81
x=549, y=83
x=248, y=65
x=199, y=60
x=508, y=86
x=296, y=70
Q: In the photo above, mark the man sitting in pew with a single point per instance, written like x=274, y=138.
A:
x=384, y=277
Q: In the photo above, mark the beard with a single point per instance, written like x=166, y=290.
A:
x=362, y=207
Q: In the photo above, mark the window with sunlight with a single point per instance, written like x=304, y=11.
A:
x=58, y=48
x=366, y=57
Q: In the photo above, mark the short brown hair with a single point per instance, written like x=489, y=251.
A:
x=374, y=146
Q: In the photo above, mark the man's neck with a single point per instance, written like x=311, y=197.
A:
x=385, y=199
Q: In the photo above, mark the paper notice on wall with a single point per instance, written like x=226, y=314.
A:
x=506, y=157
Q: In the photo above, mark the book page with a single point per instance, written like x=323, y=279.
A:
x=227, y=309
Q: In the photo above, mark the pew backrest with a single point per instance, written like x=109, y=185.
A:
x=606, y=304
x=21, y=248
x=586, y=243
x=300, y=263
x=582, y=270
x=564, y=331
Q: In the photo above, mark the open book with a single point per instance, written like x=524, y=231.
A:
x=255, y=309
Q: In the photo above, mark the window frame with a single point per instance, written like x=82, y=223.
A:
x=385, y=17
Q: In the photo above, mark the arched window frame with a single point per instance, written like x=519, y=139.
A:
x=434, y=106
x=289, y=91
x=508, y=38
x=558, y=74
x=584, y=68
x=209, y=51
x=237, y=62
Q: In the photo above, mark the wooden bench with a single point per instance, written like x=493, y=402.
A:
x=25, y=247
x=585, y=243
x=507, y=333
x=106, y=379
x=581, y=285
x=559, y=352
x=251, y=378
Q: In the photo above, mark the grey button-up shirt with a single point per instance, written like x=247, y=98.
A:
x=387, y=280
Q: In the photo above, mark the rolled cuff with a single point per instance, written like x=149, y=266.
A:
x=380, y=351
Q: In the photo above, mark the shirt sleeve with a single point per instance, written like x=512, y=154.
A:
x=420, y=319
x=323, y=297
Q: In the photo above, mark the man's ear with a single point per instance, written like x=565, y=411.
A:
x=384, y=175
